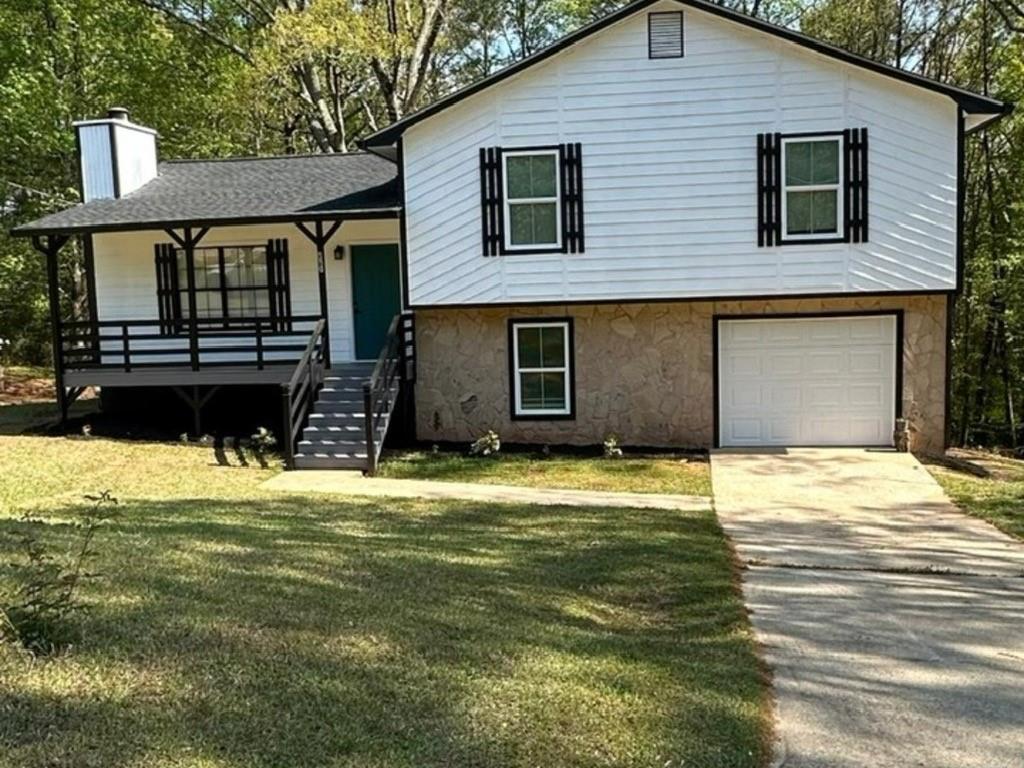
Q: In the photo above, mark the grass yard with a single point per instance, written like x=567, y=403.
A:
x=687, y=475
x=998, y=498
x=236, y=627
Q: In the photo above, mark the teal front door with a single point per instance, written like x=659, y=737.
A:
x=376, y=296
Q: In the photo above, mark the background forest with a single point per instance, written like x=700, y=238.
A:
x=230, y=77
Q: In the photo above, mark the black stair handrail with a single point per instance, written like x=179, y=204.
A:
x=381, y=390
x=300, y=393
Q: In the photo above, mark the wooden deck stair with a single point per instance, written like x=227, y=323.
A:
x=335, y=437
x=344, y=412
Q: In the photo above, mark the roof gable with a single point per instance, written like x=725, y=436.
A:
x=970, y=102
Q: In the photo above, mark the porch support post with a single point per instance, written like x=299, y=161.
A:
x=196, y=403
x=188, y=240
x=49, y=246
x=90, y=291
x=320, y=238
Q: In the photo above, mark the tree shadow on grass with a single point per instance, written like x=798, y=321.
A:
x=297, y=632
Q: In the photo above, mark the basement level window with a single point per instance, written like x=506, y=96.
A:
x=665, y=35
x=542, y=368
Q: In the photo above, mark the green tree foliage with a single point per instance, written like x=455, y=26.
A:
x=63, y=60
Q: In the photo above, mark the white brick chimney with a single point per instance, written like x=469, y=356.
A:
x=115, y=155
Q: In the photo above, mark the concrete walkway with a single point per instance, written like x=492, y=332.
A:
x=355, y=484
x=893, y=623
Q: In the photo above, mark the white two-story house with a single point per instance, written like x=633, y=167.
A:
x=678, y=225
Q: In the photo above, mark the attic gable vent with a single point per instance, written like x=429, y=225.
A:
x=665, y=35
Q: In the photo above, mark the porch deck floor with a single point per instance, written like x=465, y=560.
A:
x=180, y=376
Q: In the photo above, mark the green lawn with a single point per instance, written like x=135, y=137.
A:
x=688, y=475
x=236, y=627
x=998, y=499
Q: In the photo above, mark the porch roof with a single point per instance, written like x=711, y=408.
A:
x=239, y=191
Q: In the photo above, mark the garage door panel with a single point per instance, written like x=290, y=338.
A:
x=784, y=364
x=746, y=395
x=824, y=363
x=750, y=333
x=745, y=431
x=782, y=432
x=744, y=365
x=785, y=397
x=872, y=329
x=821, y=396
x=866, y=396
x=825, y=332
x=867, y=361
x=782, y=333
x=807, y=381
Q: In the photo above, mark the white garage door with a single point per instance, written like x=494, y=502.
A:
x=807, y=381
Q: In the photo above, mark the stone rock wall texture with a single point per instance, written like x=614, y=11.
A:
x=643, y=371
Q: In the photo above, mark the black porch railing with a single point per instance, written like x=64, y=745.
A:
x=396, y=365
x=129, y=345
x=299, y=394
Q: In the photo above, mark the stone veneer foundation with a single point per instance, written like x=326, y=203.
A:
x=643, y=371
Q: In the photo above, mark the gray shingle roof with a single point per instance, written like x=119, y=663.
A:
x=240, y=190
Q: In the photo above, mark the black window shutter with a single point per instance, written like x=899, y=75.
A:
x=167, y=297
x=769, y=189
x=571, y=156
x=491, y=201
x=855, y=170
x=278, y=284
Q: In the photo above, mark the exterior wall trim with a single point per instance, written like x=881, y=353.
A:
x=686, y=299
x=716, y=374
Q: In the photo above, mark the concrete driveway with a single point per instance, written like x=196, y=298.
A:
x=894, y=624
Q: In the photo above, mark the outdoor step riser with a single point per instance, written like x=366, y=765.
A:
x=340, y=396
x=353, y=447
x=335, y=433
x=335, y=420
x=311, y=462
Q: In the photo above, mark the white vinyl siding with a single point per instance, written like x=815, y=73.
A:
x=126, y=273
x=807, y=381
x=136, y=156
x=97, y=168
x=670, y=173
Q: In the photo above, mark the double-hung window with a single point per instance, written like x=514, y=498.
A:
x=812, y=201
x=533, y=216
x=230, y=281
x=542, y=368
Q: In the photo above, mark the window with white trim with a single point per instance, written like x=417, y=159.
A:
x=533, y=216
x=542, y=368
x=812, y=180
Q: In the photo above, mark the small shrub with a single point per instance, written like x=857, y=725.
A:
x=36, y=612
x=487, y=445
x=262, y=441
x=612, y=450
x=545, y=451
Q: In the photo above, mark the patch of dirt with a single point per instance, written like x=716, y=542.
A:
x=985, y=463
x=17, y=388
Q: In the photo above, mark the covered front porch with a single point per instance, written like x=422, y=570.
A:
x=289, y=289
